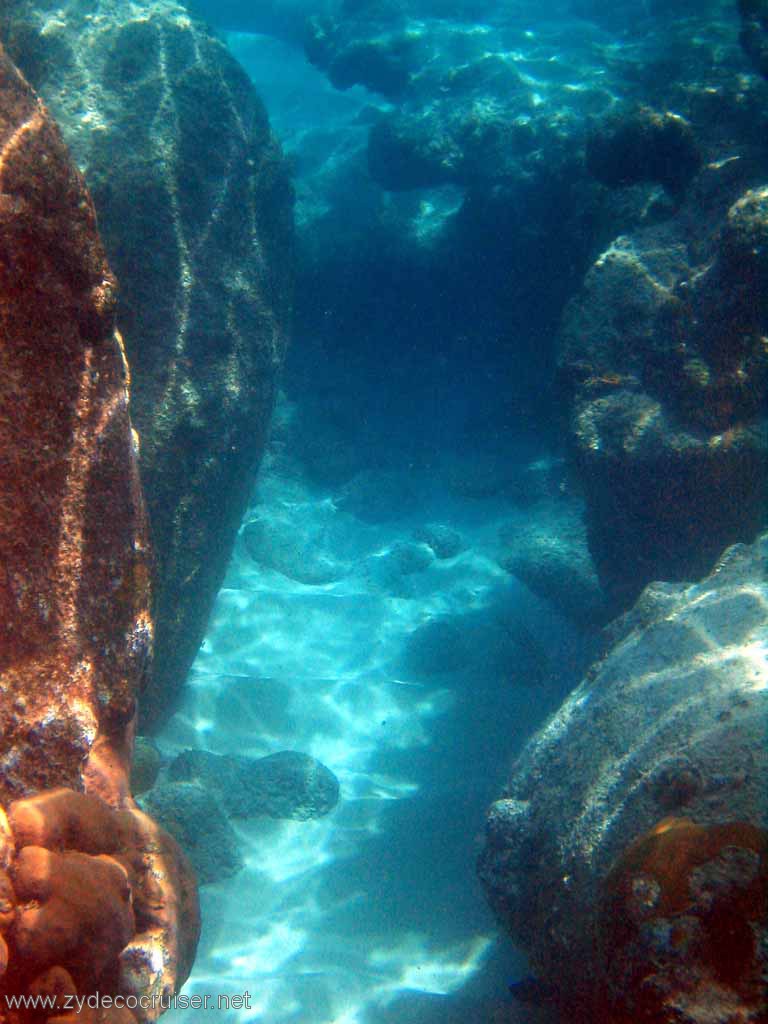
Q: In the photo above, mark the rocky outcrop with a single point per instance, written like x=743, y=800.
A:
x=76, y=631
x=664, y=366
x=95, y=897
x=476, y=202
x=627, y=854
x=195, y=212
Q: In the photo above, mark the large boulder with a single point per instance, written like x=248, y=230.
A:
x=75, y=630
x=663, y=364
x=96, y=900
x=195, y=211
x=627, y=854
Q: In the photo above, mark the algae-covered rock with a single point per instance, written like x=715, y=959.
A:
x=145, y=766
x=194, y=207
x=75, y=630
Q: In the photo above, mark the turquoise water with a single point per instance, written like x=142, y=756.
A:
x=419, y=389
x=521, y=417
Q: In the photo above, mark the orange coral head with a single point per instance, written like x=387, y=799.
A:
x=682, y=927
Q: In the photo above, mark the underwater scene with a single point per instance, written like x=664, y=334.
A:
x=384, y=511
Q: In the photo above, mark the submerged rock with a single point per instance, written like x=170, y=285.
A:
x=195, y=819
x=74, y=598
x=96, y=898
x=444, y=540
x=291, y=547
x=146, y=764
x=549, y=553
x=406, y=558
x=195, y=210
x=580, y=851
x=664, y=362
x=288, y=784
x=641, y=144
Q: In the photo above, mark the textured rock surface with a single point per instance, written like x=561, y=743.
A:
x=194, y=817
x=195, y=212
x=75, y=631
x=644, y=145
x=74, y=591
x=682, y=921
x=287, y=784
x=671, y=722
x=96, y=900
x=548, y=552
x=145, y=766
x=444, y=541
x=664, y=362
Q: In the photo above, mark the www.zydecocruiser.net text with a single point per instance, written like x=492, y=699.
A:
x=95, y=1001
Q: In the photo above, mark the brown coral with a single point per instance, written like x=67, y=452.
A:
x=95, y=901
x=683, y=928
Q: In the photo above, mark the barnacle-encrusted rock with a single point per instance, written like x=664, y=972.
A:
x=195, y=212
x=615, y=903
x=94, y=897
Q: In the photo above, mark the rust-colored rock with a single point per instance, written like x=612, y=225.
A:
x=94, y=897
x=683, y=928
x=74, y=629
